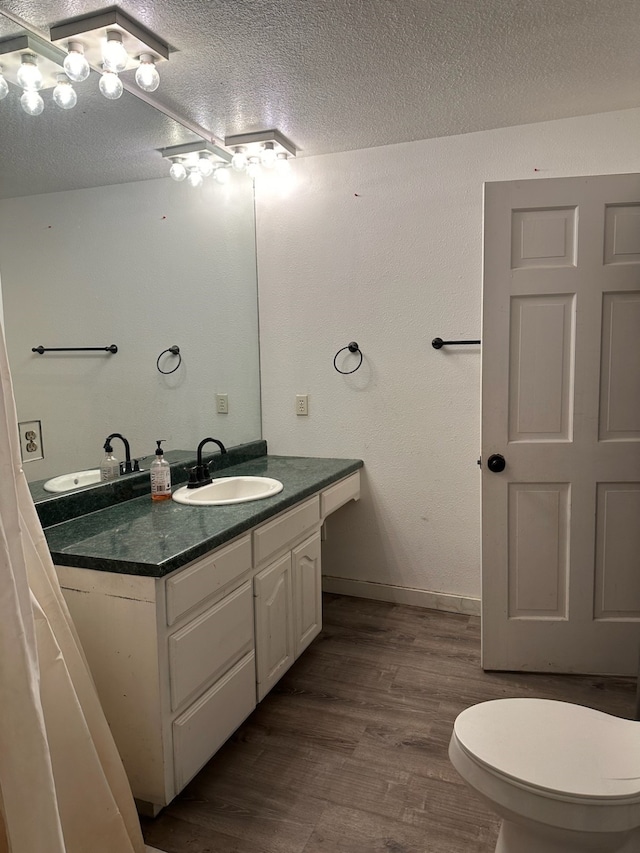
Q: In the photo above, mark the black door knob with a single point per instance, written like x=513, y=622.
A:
x=496, y=463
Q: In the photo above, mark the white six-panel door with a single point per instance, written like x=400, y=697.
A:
x=561, y=405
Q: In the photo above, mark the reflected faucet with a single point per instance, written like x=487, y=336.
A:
x=199, y=476
x=126, y=466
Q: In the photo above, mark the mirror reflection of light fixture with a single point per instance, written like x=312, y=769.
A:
x=114, y=41
x=34, y=65
x=196, y=161
x=266, y=148
x=195, y=177
x=222, y=174
x=31, y=102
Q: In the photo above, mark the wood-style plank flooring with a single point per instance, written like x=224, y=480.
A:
x=348, y=753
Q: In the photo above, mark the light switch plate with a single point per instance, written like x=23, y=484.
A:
x=30, y=440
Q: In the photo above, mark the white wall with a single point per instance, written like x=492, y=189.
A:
x=384, y=246
x=143, y=265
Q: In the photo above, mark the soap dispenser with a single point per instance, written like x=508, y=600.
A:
x=160, y=476
x=109, y=467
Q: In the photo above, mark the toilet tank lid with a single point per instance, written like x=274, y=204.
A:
x=556, y=746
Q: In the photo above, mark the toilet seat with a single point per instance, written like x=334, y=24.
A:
x=554, y=750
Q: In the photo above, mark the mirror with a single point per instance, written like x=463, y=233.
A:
x=98, y=247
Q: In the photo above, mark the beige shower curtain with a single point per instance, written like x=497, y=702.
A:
x=62, y=785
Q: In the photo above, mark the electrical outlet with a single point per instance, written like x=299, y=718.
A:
x=30, y=440
x=222, y=404
x=302, y=404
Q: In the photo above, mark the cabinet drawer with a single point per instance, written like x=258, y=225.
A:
x=205, y=726
x=285, y=530
x=206, y=648
x=203, y=579
x=340, y=493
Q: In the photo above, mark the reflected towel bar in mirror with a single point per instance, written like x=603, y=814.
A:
x=111, y=348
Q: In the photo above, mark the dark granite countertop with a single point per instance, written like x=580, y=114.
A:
x=143, y=537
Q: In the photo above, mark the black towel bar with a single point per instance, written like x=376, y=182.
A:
x=438, y=343
x=112, y=348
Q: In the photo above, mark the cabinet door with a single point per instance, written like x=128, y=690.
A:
x=307, y=592
x=274, y=623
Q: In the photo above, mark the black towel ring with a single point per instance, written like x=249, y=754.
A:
x=174, y=350
x=352, y=347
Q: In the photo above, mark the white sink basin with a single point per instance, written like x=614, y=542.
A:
x=66, y=482
x=229, y=490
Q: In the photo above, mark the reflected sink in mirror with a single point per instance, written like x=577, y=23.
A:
x=66, y=482
x=229, y=490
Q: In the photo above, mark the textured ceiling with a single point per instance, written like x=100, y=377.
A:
x=336, y=75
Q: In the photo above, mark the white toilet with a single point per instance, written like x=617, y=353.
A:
x=563, y=778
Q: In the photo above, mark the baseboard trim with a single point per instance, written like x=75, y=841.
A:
x=402, y=595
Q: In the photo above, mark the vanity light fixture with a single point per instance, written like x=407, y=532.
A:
x=31, y=64
x=110, y=84
x=75, y=63
x=177, y=171
x=196, y=161
x=64, y=95
x=147, y=76
x=266, y=148
x=113, y=41
x=29, y=75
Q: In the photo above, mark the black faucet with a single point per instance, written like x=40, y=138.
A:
x=199, y=476
x=126, y=466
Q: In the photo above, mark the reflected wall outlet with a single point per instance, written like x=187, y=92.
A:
x=302, y=404
x=222, y=404
x=30, y=440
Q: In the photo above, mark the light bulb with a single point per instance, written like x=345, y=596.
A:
x=195, y=177
x=205, y=166
x=75, y=64
x=239, y=160
x=268, y=156
x=253, y=166
x=114, y=55
x=32, y=103
x=110, y=85
x=64, y=94
x=282, y=162
x=29, y=76
x=222, y=175
x=147, y=76
x=4, y=87
x=177, y=171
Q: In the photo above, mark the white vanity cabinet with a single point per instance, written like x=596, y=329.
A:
x=180, y=661
x=288, y=607
x=173, y=660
